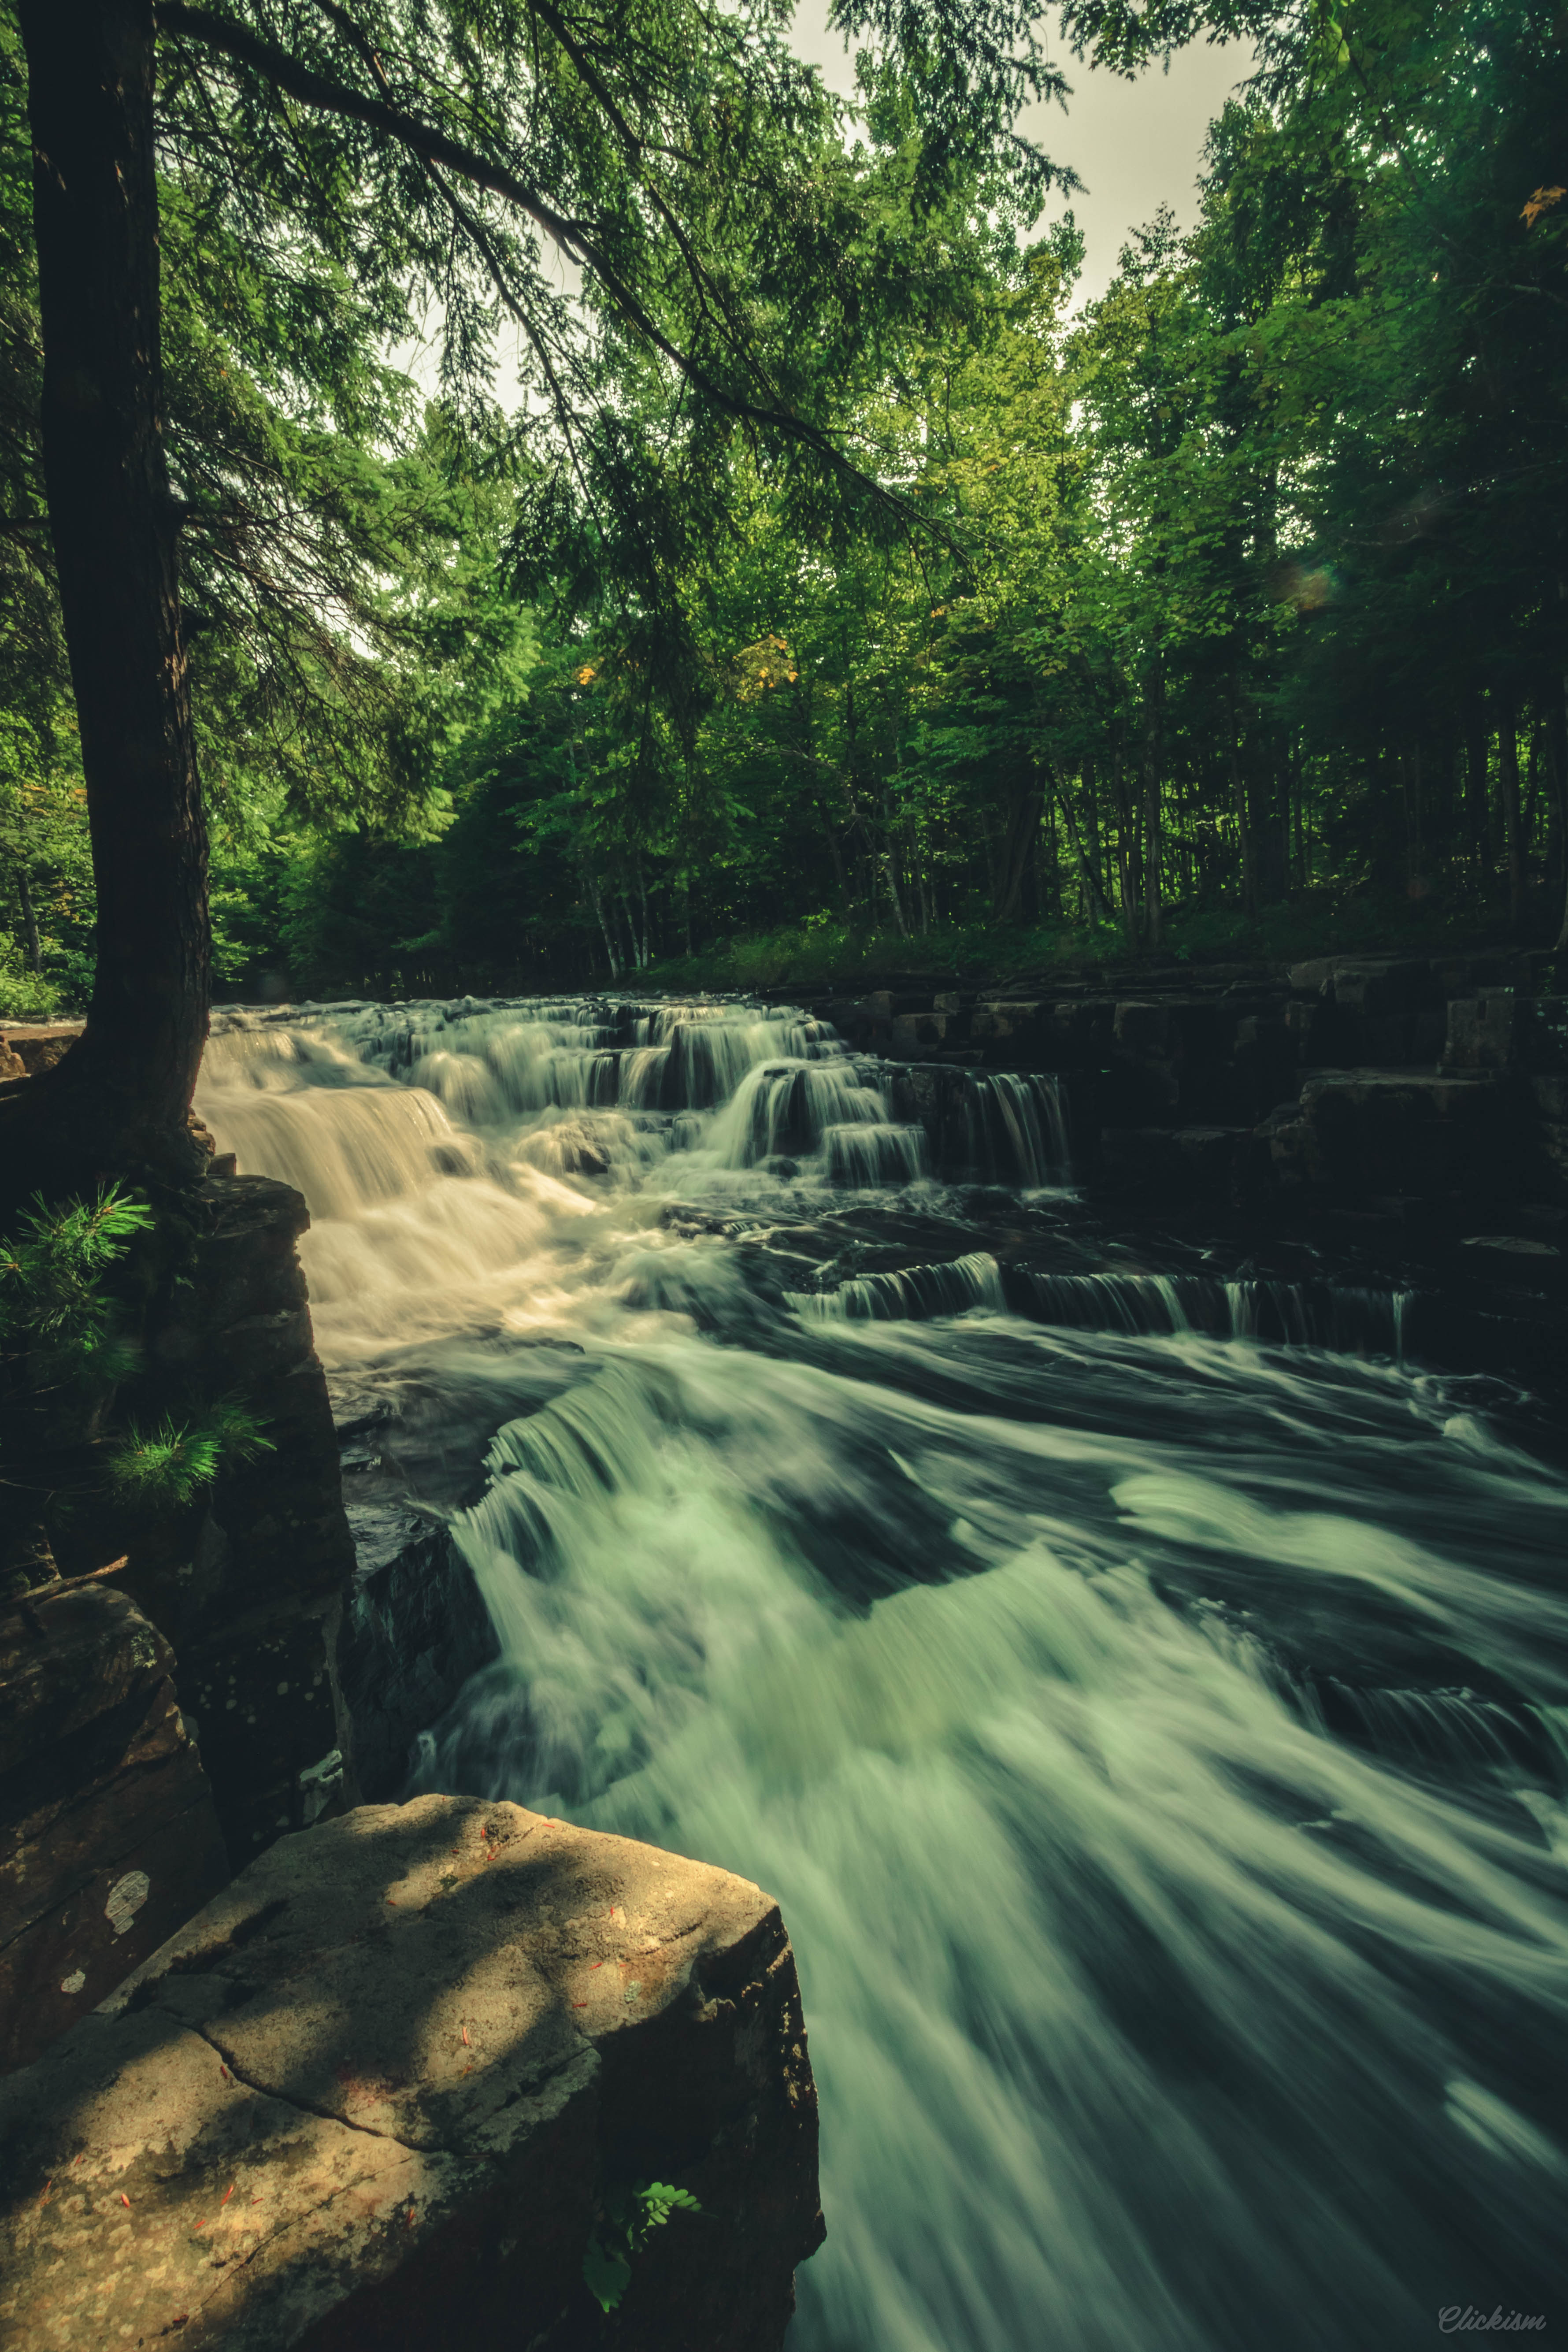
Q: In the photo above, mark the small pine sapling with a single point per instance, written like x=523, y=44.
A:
x=64, y=1351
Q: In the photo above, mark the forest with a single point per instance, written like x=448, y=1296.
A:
x=603, y=1383
x=1226, y=612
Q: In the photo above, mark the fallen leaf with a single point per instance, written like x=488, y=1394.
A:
x=229, y=2193
x=48, y=2185
x=123, y=2199
x=579, y=2004
x=467, y=2043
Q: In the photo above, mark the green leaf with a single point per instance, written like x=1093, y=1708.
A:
x=658, y=2202
x=606, y=2275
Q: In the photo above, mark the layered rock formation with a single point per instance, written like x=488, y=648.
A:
x=413, y=1632
x=384, y=2091
x=243, y=1588
x=248, y=1586
x=108, y=1836
x=1439, y=1081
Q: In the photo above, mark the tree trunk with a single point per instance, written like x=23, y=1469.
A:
x=1047, y=866
x=836, y=851
x=1554, y=731
x=1126, y=848
x=1508, y=787
x=120, y=1097
x=1092, y=827
x=1096, y=906
x=892, y=882
x=596, y=900
x=1243, y=824
x=1532, y=792
x=1557, y=737
x=645, y=929
x=1153, y=735
x=1020, y=813
x=1413, y=775
x=1475, y=789
x=29, y=922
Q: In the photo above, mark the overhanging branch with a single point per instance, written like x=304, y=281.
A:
x=435, y=147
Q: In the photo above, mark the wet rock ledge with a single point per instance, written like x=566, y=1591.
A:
x=377, y=2093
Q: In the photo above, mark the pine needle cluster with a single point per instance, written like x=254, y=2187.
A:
x=67, y=1349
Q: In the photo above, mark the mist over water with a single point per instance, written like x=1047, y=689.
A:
x=1145, y=1695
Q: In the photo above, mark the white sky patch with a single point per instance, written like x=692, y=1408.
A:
x=1135, y=145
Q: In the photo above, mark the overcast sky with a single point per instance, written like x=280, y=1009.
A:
x=1135, y=145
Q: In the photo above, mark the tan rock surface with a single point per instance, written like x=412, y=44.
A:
x=370, y=2095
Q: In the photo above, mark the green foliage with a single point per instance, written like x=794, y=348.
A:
x=66, y=1348
x=25, y=995
x=51, y=1293
x=838, y=591
x=165, y=1466
x=626, y=2218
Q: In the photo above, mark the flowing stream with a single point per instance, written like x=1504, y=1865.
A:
x=1144, y=1693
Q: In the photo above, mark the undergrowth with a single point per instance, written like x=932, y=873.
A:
x=820, y=953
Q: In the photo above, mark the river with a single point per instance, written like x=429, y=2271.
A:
x=1143, y=1692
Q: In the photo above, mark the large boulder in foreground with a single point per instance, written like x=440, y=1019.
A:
x=377, y=2095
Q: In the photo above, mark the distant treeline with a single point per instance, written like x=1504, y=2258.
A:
x=1243, y=589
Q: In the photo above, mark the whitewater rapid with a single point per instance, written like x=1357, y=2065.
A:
x=1144, y=1694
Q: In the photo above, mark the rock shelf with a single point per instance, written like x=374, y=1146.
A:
x=376, y=2092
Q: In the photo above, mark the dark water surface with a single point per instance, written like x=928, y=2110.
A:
x=1145, y=1695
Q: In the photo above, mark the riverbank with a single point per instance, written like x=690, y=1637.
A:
x=825, y=953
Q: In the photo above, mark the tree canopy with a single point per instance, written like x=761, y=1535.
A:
x=833, y=567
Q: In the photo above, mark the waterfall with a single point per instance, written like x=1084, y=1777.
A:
x=915, y=1291
x=1352, y=1319
x=1015, y=1130
x=1144, y=1693
x=1094, y=2021
x=343, y=1150
x=787, y=1109
x=1308, y=1315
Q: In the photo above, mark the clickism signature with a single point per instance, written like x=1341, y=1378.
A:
x=1464, y=2319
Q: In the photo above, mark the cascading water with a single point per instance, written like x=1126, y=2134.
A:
x=1318, y=1314
x=1144, y=1695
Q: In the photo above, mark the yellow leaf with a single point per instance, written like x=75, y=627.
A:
x=1541, y=202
